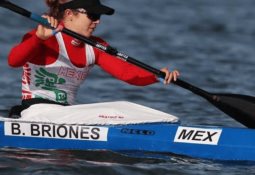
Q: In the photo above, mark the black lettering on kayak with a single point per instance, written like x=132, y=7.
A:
x=84, y=132
x=46, y=130
x=198, y=135
x=74, y=133
x=15, y=129
x=137, y=131
x=184, y=135
x=62, y=131
x=35, y=130
x=192, y=135
x=209, y=136
x=148, y=132
x=95, y=133
x=53, y=131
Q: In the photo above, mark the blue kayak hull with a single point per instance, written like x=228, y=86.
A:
x=205, y=142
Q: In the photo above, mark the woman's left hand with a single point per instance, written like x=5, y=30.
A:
x=170, y=76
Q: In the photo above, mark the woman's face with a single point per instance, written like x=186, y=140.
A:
x=80, y=22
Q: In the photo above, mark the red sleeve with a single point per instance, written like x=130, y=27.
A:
x=123, y=70
x=33, y=49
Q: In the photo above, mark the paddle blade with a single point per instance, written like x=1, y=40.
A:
x=239, y=107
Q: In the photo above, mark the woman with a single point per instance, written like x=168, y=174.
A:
x=55, y=64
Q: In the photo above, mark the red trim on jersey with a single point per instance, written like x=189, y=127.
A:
x=40, y=52
x=26, y=95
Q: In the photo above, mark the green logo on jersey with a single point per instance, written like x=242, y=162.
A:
x=48, y=81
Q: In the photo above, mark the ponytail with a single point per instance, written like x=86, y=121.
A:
x=54, y=8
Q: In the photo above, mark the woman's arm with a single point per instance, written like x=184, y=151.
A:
x=30, y=47
x=33, y=46
x=124, y=71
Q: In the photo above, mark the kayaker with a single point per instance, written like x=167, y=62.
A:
x=55, y=64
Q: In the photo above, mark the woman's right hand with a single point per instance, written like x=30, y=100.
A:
x=44, y=32
x=170, y=76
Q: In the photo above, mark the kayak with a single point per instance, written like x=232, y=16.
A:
x=194, y=141
x=206, y=142
x=143, y=131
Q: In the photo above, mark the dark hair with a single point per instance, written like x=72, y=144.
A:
x=54, y=9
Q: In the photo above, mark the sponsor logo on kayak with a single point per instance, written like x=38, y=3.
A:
x=197, y=135
x=75, y=132
x=111, y=116
x=137, y=131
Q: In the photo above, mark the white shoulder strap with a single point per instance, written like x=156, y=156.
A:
x=90, y=55
x=62, y=48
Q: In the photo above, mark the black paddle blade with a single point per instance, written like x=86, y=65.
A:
x=239, y=107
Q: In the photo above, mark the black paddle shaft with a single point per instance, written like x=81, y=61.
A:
x=239, y=107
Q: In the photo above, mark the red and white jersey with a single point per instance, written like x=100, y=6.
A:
x=55, y=68
x=58, y=81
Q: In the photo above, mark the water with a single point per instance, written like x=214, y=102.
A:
x=211, y=43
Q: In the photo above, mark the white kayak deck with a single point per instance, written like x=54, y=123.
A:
x=107, y=113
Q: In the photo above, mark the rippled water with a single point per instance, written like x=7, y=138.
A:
x=211, y=43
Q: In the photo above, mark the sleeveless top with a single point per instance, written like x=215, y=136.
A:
x=58, y=81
